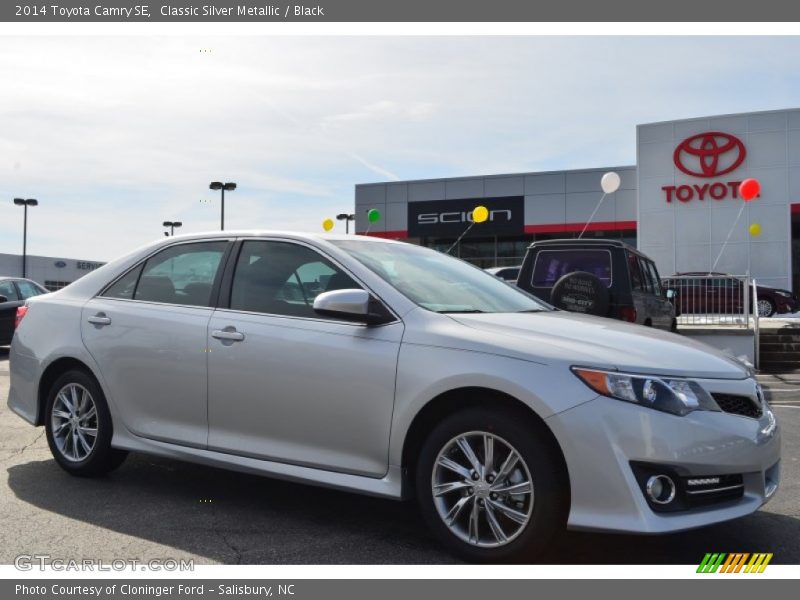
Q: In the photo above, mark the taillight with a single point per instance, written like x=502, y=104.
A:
x=628, y=313
x=21, y=312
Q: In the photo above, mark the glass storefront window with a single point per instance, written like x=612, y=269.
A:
x=487, y=252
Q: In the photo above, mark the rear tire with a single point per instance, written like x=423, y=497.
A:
x=78, y=426
x=488, y=525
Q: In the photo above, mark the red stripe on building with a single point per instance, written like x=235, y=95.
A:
x=546, y=228
x=795, y=208
x=571, y=227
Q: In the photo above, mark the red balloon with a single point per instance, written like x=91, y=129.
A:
x=749, y=189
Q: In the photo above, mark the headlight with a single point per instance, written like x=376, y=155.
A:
x=675, y=396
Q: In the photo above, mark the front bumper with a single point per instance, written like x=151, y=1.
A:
x=785, y=305
x=601, y=438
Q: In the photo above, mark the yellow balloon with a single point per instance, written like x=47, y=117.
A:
x=755, y=229
x=327, y=224
x=480, y=214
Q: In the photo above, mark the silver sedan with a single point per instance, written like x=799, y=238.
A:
x=389, y=369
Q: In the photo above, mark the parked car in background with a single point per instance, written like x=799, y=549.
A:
x=722, y=293
x=606, y=278
x=389, y=369
x=508, y=274
x=14, y=291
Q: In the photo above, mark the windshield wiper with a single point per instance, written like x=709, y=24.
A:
x=466, y=310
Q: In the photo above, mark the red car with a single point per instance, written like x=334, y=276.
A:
x=721, y=293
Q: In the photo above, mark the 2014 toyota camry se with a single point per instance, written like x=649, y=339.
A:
x=389, y=369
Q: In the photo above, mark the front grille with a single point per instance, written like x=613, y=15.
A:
x=738, y=405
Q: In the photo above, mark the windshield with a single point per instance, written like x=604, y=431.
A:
x=439, y=282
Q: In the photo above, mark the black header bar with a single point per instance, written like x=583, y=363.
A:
x=400, y=11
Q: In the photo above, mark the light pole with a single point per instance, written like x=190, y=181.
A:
x=346, y=217
x=222, y=187
x=172, y=225
x=25, y=203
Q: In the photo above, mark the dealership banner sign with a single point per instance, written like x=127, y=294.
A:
x=398, y=11
x=449, y=218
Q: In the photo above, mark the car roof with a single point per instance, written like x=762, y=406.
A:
x=300, y=235
x=591, y=242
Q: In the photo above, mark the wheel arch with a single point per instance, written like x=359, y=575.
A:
x=49, y=376
x=462, y=398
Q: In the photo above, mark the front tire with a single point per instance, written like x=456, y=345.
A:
x=491, y=486
x=78, y=426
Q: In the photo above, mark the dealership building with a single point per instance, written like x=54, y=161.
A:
x=51, y=272
x=678, y=204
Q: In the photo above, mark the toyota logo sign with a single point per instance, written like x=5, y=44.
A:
x=709, y=154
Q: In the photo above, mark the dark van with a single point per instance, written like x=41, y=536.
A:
x=607, y=278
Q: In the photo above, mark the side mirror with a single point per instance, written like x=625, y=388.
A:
x=351, y=305
x=3, y=299
x=671, y=294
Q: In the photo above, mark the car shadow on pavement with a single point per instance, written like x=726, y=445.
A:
x=231, y=517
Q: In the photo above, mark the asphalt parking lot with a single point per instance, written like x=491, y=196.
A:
x=153, y=508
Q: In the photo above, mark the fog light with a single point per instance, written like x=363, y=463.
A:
x=660, y=489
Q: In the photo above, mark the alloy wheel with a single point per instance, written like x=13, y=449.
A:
x=764, y=308
x=482, y=489
x=74, y=422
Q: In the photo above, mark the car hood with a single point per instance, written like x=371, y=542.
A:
x=770, y=291
x=593, y=341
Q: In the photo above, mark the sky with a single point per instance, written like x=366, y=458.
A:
x=114, y=135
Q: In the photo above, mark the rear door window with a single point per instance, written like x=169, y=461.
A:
x=125, y=285
x=181, y=274
x=552, y=265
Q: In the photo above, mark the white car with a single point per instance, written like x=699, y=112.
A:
x=389, y=369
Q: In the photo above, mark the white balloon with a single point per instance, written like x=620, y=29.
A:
x=610, y=182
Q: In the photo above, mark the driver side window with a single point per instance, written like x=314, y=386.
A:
x=282, y=278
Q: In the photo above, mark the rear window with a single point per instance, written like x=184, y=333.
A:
x=552, y=265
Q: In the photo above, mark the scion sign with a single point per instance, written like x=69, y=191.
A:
x=444, y=218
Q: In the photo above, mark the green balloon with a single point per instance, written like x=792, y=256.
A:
x=373, y=215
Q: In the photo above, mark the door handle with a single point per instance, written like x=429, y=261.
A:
x=99, y=319
x=227, y=334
